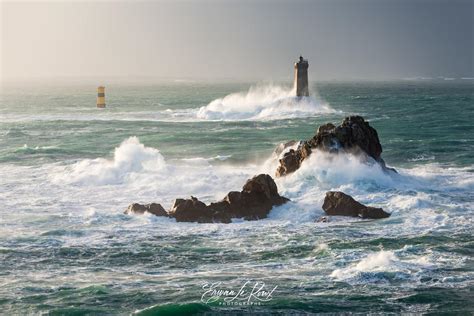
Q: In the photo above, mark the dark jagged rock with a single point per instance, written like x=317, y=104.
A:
x=354, y=131
x=152, y=208
x=264, y=185
x=193, y=210
x=340, y=204
x=255, y=201
x=353, y=135
x=292, y=160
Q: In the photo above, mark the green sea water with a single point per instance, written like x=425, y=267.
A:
x=68, y=170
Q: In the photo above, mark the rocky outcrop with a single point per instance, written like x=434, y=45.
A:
x=152, y=208
x=193, y=210
x=340, y=204
x=292, y=159
x=354, y=132
x=255, y=201
x=353, y=135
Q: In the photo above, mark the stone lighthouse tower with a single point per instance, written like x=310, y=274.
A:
x=301, y=77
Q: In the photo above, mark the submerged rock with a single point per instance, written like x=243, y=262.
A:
x=353, y=135
x=152, y=208
x=255, y=201
x=340, y=204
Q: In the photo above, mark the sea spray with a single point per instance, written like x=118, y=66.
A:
x=130, y=157
x=144, y=175
x=267, y=102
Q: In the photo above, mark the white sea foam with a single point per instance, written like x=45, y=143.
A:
x=382, y=265
x=130, y=157
x=82, y=203
x=137, y=173
x=262, y=102
x=415, y=196
x=336, y=170
x=379, y=261
x=322, y=172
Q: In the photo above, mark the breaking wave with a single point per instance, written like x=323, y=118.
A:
x=384, y=266
x=130, y=157
x=263, y=102
x=137, y=173
x=136, y=170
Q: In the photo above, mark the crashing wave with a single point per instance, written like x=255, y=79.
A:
x=141, y=173
x=263, y=102
x=130, y=157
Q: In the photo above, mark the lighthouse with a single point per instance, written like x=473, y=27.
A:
x=101, y=97
x=301, y=77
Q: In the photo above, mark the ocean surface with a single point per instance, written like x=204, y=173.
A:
x=68, y=171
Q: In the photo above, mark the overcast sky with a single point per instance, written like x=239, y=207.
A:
x=257, y=40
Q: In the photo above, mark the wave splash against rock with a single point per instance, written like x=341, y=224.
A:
x=354, y=135
x=259, y=194
x=267, y=102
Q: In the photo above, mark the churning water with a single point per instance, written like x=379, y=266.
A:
x=68, y=171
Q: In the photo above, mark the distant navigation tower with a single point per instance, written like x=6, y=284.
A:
x=101, y=97
x=301, y=77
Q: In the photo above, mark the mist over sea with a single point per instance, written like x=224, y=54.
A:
x=68, y=171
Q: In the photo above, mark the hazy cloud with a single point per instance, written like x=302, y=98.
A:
x=343, y=39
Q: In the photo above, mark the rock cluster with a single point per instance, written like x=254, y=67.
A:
x=260, y=194
x=340, y=204
x=255, y=201
x=353, y=135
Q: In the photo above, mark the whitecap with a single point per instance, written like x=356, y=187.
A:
x=383, y=266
